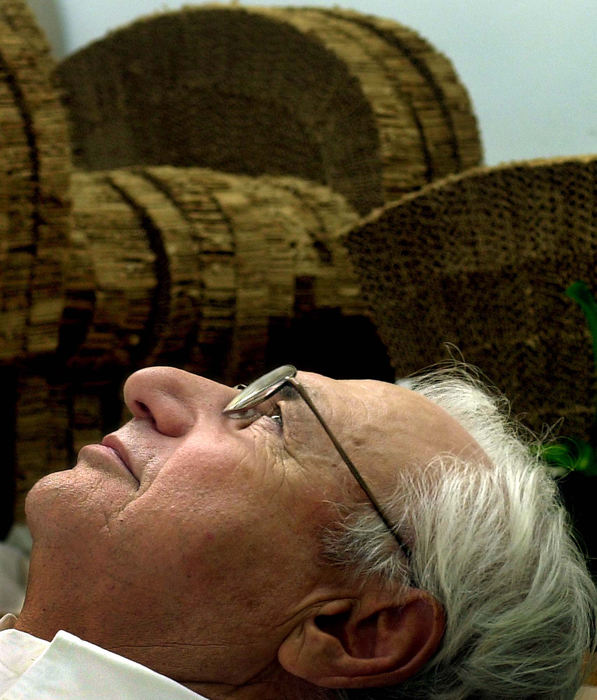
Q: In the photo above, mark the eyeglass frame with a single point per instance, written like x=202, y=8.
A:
x=269, y=384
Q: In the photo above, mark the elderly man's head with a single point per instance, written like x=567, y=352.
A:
x=239, y=555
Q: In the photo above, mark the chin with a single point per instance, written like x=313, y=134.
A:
x=55, y=504
x=43, y=498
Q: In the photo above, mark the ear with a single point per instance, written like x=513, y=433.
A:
x=373, y=640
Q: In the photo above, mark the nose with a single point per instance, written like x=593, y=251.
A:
x=173, y=399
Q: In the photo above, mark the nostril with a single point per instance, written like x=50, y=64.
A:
x=143, y=411
x=143, y=408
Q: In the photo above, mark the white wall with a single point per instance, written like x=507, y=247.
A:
x=529, y=65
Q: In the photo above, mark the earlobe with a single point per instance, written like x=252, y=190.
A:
x=373, y=640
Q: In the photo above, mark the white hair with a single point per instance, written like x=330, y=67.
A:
x=492, y=543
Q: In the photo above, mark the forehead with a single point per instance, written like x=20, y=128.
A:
x=388, y=423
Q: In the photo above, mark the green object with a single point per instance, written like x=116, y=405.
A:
x=581, y=294
x=570, y=454
x=574, y=454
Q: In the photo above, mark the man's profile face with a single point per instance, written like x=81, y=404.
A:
x=189, y=523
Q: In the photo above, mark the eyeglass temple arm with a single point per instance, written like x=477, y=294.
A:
x=353, y=470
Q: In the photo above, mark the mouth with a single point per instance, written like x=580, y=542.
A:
x=114, y=444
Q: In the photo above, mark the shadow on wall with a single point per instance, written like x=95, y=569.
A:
x=49, y=17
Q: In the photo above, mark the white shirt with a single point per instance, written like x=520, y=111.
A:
x=68, y=667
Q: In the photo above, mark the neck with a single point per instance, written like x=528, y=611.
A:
x=271, y=683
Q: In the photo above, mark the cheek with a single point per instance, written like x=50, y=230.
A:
x=207, y=536
x=208, y=519
x=172, y=557
x=188, y=518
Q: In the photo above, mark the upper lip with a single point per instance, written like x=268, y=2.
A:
x=113, y=442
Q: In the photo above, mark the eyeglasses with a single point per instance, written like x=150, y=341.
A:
x=272, y=382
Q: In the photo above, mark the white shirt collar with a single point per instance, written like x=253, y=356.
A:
x=69, y=667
